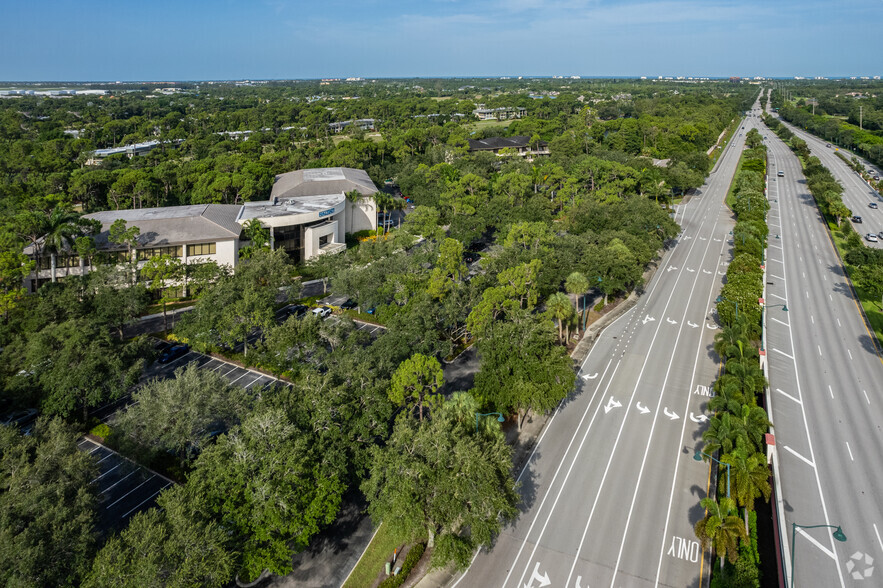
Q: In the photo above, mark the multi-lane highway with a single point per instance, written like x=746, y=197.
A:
x=857, y=194
x=612, y=493
x=825, y=380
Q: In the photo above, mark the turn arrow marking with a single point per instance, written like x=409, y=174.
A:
x=543, y=580
x=700, y=419
x=647, y=319
x=707, y=326
x=671, y=322
x=706, y=272
x=692, y=325
x=672, y=415
x=592, y=377
x=642, y=409
x=690, y=270
x=611, y=404
x=670, y=268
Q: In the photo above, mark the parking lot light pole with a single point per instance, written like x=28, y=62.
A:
x=838, y=534
x=698, y=457
x=499, y=417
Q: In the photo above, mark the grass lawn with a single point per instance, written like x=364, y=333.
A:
x=872, y=307
x=731, y=196
x=378, y=553
x=483, y=124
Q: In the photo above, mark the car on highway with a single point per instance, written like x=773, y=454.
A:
x=781, y=174
x=872, y=205
x=871, y=237
x=322, y=311
x=349, y=304
x=856, y=219
x=828, y=145
x=173, y=353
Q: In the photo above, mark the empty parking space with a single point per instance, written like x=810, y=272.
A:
x=124, y=488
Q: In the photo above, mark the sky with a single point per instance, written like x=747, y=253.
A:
x=169, y=40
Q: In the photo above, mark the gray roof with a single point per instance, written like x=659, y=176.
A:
x=289, y=206
x=322, y=182
x=494, y=143
x=173, y=225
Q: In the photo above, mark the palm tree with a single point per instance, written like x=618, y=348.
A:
x=61, y=231
x=560, y=307
x=727, y=340
x=749, y=373
x=383, y=201
x=728, y=395
x=750, y=477
x=724, y=434
x=753, y=423
x=720, y=528
x=576, y=285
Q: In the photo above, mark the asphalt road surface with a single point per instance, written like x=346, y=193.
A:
x=857, y=194
x=612, y=493
x=827, y=406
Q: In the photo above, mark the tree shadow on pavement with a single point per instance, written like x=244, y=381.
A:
x=868, y=343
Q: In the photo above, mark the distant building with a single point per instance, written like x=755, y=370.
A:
x=130, y=151
x=308, y=214
x=366, y=124
x=501, y=113
x=503, y=146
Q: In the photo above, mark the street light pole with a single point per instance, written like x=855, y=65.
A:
x=837, y=534
x=698, y=457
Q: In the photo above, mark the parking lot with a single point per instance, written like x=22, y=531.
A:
x=124, y=487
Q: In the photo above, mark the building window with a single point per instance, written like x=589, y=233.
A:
x=291, y=239
x=157, y=251
x=201, y=249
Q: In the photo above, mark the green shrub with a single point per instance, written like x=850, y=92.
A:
x=101, y=430
x=411, y=560
x=745, y=573
x=599, y=307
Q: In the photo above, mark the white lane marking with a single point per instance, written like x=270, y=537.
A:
x=866, y=396
x=849, y=353
x=850, y=451
x=780, y=322
x=838, y=323
x=777, y=277
x=819, y=347
x=804, y=275
x=558, y=469
x=783, y=353
x=821, y=547
x=779, y=297
x=798, y=456
x=807, y=293
x=824, y=277
x=785, y=394
x=830, y=298
x=812, y=319
x=877, y=533
x=831, y=391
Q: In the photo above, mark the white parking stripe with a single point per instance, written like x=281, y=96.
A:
x=146, y=500
x=111, y=487
x=129, y=492
x=105, y=473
